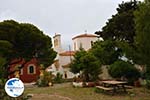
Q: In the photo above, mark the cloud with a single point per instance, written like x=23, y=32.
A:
x=7, y=14
x=68, y=17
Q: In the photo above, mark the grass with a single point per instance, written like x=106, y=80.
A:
x=67, y=92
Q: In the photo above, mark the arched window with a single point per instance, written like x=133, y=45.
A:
x=31, y=69
x=74, y=46
x=56, y=42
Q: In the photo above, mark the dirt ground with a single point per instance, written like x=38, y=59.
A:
x=49, y=97
x=65, y=91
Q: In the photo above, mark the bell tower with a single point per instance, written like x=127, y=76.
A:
x=57, y=42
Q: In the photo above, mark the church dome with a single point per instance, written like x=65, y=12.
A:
x=84, y=35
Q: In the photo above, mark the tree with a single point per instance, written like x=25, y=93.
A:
x=106, y=51
x=124, y=69
x=5, y=50
x=87, y=64
x=142, y=39
x=121, y=26
x=76, y=65
x=120, y=29
x=2, y=71
x=26, y=42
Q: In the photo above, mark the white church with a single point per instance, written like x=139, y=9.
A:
x=63, y=59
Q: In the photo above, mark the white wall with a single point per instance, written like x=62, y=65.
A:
x=84, y=41
x=57, y=43
x=64, y=60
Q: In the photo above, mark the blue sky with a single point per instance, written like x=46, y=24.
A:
x=68, y=17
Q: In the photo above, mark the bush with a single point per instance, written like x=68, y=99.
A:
x=147, y=85
x=87, y=64
x=147, y=77
x=124, y=69
x=58, y=78
x=2, y=91
x=45, y=79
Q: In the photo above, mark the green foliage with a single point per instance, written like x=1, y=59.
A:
x=87, y=64
x=142, y=20
x=2, y=68
x=124, y=69
x=106, y=51
x=148, y=83
x=97, y=90
x=129, y=51
x=118, y=35
x=58, y=78
x=76, y=65
x=121, y=26
x=5, y=52
x=25, y=41
x=91, y=67
x=2, y=91
x=45, y=79
x=5, y=48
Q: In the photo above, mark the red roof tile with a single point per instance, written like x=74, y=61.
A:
x=84, y=35
x=67, y=53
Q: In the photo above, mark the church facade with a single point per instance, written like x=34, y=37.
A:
x=64, y=58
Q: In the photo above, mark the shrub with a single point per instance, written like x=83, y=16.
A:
x=147, y=77
x=45, y=79
x=58, y=78
x=87, y=64
x=124, y=69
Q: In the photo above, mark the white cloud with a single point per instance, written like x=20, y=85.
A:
x=68, y=17
x=7, y=14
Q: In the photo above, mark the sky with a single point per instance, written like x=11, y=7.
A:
x=67, y=17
